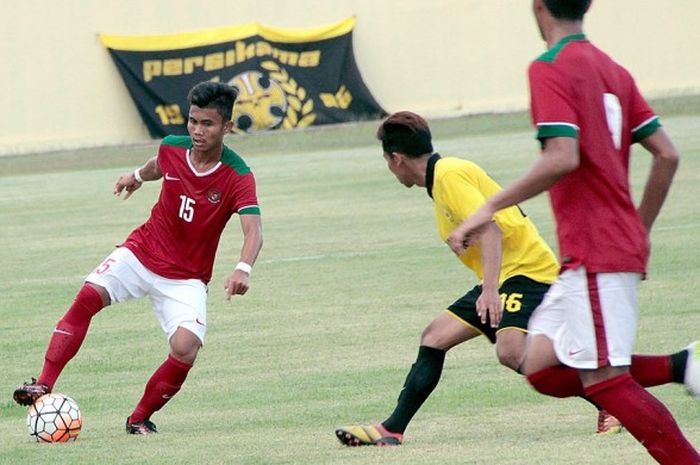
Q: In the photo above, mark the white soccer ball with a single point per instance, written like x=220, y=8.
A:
x=54, y=418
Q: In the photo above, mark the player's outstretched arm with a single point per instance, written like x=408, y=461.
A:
x=559, y=157
x=239, y=281
x=663, y=168
x=131, y=181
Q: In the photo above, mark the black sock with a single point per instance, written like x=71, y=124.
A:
x=678, y=363
x=420, y=382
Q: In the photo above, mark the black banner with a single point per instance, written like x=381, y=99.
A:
x=286, y=78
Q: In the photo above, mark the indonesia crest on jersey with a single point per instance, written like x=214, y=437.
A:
x=180, y=238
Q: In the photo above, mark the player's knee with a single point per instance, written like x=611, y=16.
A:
x=427, y=334
x=184, y=346
x=185, y=355
x=432, y=337
x=509, y=357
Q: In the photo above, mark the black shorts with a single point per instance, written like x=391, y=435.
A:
x=520, y=296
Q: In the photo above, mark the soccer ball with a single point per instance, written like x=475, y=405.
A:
x=54, y=418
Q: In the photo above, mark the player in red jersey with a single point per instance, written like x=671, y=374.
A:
x=170, y=257
x=588, y=112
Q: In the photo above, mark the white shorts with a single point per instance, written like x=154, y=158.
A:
x=590, y=317
x=176, y=302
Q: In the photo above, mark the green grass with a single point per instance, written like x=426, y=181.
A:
x=351, y=272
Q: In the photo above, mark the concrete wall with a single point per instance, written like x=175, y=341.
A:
x=60, y=88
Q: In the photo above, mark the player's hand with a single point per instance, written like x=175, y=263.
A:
x=456, y=242
x=489, y=307
x=127, y=182
x=470, y=230
x=236, y=284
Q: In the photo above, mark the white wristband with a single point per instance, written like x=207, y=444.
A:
x=137, y=176
x=244, y=267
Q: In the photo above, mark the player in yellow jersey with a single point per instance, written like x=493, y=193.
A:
x=512, y=261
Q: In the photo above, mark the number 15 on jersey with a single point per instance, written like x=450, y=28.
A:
x=186, y=208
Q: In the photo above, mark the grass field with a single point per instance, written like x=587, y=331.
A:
x=351, y=272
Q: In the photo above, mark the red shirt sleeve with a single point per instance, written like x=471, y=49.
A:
x=246, y=199
x=549, y=93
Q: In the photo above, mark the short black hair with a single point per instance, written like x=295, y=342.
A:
x=214, y=95
x=407, y=133
x=568, y=9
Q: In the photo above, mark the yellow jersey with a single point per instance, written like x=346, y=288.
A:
x=458, y=188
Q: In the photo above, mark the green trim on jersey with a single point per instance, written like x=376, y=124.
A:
x=232, y=159
x=177, y=141
x=228, y=157
x=249, y=211
x=646, y=130
x=550, y=55
x=546, y=131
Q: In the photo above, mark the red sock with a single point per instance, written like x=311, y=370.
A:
x=163, y=385
x=651, y=370
x=646, y=418
x=557, y=381
x=69, y=334
x=563, y=381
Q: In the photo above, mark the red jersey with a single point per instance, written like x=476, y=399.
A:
x=578, y=91
x=180, y=238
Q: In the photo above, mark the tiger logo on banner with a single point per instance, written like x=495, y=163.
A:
x=261, y=102
x=270, y=101
x=286, y=79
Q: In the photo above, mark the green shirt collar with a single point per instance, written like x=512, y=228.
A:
x=552, y=53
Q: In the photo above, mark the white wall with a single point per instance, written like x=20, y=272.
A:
x=61, y=89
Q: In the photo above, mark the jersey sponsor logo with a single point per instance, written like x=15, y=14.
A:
x=196, y=320
x=171, y=178
x=214, y=196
